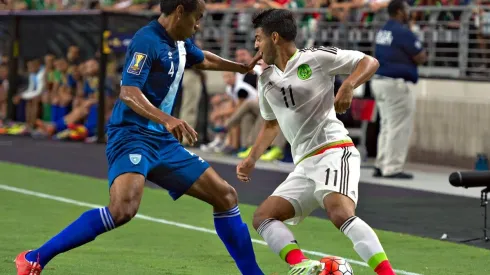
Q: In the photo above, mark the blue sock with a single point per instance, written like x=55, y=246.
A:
x=236, y=237
x=64, y=110
x=91, y=121
x=54, y=112
x=60, y=124
x=88, y=226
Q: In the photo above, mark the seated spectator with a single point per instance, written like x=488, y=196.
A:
x=32, y=95
x=249, y=118
x=63, y=91
x=193, y=84
x=73, y=55
x=35, y=5
x=71, y=121
x=51, y=76
x=240, y=87
x=81, y=122
x=4, y=87
x=223, y=106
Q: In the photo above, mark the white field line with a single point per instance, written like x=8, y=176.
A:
x=181, y=225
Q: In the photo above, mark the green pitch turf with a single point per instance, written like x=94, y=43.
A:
x=149, y=247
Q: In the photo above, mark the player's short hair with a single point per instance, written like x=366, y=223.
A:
x=276, y=20
x=169, y=6
x=394, y=6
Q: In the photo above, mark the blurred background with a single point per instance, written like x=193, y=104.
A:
x=54, y=54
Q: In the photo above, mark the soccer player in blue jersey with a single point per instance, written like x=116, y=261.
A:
x=144, y=142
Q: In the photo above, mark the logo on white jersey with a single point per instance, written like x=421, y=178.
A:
x=269, y=85
x=304, y=72
x=135, y=158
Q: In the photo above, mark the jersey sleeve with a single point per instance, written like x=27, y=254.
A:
x=139, y=58
x=410, y=43
x=265, y=108
x=335, y=61
x=194, y=54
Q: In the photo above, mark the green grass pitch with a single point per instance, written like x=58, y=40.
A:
x=148, y=246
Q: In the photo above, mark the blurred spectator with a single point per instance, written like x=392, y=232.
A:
x=50, y=77
x=192, y=88
x=32, y=95
x=480, y=30
x=4, y=59
x=64, y=88
x=222, y=107
x=73, y=55
x=81, y=122
x=240, y=87
x=4, y=87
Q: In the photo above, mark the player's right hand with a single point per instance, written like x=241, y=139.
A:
x=244, y=169
x=180, y=129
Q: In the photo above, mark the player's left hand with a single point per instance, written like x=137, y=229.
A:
x=249, y=68
x=343, y=99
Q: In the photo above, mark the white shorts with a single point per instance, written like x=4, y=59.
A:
x=336, y=170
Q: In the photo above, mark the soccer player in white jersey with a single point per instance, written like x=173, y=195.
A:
x=296, y=96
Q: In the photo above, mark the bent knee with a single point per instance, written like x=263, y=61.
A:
x=339, y=215
x=123, y=211
x=222, y=197
x=126, y=193
x=259, y=217
x=229, y=198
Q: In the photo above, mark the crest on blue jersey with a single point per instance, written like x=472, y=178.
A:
x=135, y=158
x=137, y=63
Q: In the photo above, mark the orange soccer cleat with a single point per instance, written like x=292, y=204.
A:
x=24, y=267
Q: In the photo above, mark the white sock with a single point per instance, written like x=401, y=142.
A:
x=365, y=240
x=278, y=236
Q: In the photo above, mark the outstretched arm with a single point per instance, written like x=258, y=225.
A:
x=213, y=62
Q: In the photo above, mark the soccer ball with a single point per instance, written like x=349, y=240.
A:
x=335, y=266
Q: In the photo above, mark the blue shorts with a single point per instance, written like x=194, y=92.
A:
x=157, y=156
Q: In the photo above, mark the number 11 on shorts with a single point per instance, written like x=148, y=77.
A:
x=327, y=177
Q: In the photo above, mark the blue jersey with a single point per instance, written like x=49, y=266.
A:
x=155, y=64
x=396, y=46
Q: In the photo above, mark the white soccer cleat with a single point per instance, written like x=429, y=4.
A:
x=307, y=267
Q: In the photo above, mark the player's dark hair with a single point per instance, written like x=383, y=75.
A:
x=394, y=6
x=169, y=6
x=276, y=20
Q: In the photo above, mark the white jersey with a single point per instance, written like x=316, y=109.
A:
x=302, y=97
x=244, y=84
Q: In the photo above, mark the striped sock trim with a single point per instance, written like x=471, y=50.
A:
x=106, y=217
x=288, y=248
x=264, y=226
x=235, y=211
x=377, y=259
x=347, y=223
